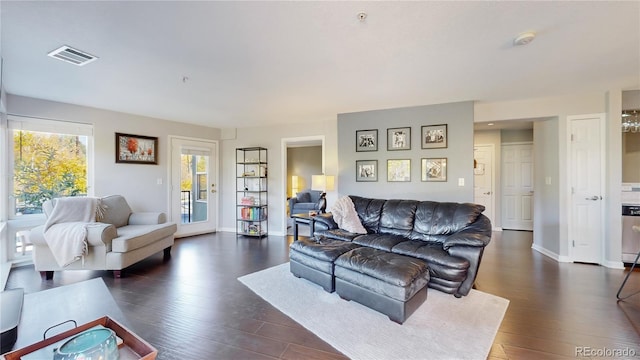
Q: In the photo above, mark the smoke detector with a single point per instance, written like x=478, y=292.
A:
x=72, y=56
x=524, y=38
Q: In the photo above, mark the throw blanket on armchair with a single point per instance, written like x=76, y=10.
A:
x=65, y=230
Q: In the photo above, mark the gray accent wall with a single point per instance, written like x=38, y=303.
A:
x=459, y=152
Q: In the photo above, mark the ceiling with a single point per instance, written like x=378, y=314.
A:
x=240, y=64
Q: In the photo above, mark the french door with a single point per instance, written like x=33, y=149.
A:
x=194, y=195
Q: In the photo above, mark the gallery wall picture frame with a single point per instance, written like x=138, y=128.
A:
x=434, y=136
x=366, y=170
x=136, y=149
x=434, y=169
x=399, y=170
x=367, y=140
x=399, y=138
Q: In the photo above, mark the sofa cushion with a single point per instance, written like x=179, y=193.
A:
x=338, y=234
x=397, y=217
x=369, y=211
x=430, y=251
x=379, y=241
x=133, y=237
x=442, y=218
x=117, y=210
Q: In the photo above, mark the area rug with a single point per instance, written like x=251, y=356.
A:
x=443, y=327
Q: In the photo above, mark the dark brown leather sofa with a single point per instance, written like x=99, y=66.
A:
x=449, y=237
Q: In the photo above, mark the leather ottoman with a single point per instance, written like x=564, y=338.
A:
x=395, y=285
x=312, y=259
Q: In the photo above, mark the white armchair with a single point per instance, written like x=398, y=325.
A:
x=120, y=239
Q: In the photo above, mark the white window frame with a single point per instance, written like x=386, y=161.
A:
x=23, y=222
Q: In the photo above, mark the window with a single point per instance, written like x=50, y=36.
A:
x=47, y=159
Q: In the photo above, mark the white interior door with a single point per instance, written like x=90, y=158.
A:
x=483, y=179
x=586, y=176
x=517, y=186
x=194, y=196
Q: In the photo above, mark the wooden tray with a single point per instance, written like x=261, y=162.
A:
x=133, y=347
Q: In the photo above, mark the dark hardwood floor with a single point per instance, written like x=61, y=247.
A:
x=193, y=307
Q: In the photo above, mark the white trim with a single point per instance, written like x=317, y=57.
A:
x=603, y=182
x=550, y=254
x=614, y=264
x=216, y=178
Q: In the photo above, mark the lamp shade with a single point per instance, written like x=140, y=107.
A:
x=322, y=182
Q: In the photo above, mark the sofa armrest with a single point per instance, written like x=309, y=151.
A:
x=147, y=218
x=468, y=239
x=477, y=234
x=327, y=220
x=98, y=234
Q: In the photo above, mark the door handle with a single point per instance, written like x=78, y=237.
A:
x=487, y=193
x=594, y=198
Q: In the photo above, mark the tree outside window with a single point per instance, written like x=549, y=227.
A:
x=47, y=166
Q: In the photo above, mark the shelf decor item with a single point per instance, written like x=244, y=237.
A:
x=434, y=169
x=251, y=192
x=399, y=138
x=367, y=140
x=434, y=136
x=136, y=149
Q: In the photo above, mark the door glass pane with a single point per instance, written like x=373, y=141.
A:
x=194, y=180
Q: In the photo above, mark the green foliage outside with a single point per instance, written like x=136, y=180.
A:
x=47, y=166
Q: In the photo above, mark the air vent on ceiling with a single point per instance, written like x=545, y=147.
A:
x=73, y=56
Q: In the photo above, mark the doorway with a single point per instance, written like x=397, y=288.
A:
x=484, y=179
x=287, y=186
x=517, y=186
x=193, y=195
x=586, y=172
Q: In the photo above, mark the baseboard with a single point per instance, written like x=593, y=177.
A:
x=497, y=229
x=614, y=264
x=550, y=254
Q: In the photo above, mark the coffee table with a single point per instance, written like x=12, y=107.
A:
x=82, y=302
x=303, y=218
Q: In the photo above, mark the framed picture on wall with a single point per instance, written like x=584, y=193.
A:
x=399, y=138
x=366, y=170
x=367, y=140
x=136, y=149
x=434, y=169
x=434, y=136
x=399, y=170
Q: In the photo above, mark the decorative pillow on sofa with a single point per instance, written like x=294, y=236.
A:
x=345, y=215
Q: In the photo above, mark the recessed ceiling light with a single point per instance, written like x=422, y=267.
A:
x=524, y=38
x=490, y=124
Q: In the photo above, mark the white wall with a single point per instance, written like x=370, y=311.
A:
x=138, y=183
x=552, y=204
x=270, y=137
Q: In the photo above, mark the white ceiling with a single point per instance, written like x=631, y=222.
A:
x=261, y=63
